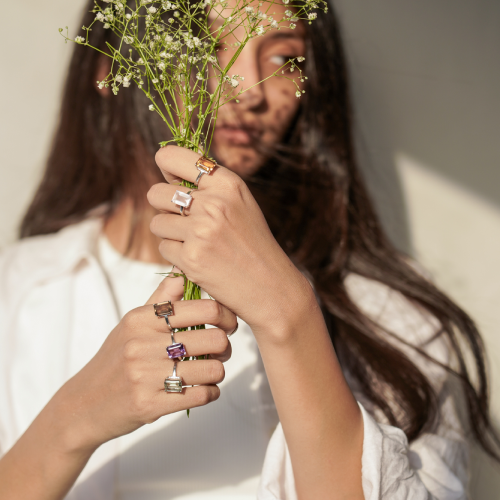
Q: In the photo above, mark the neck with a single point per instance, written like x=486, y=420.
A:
x=139, y=244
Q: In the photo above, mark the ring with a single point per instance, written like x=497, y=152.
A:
x=182, y=200
x=234, y=331
x=164, y=310
x=173, y=383
x=205, y=166
x=175, y=349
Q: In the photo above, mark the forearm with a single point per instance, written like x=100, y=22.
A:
x=321, y=420
x=43, y=464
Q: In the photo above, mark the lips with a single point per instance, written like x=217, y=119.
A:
x=235, y=135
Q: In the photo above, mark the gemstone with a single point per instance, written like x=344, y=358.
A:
x=164, y=308
x=205, y=165
x=173, y=384
x=182, y=199
x=176, y=351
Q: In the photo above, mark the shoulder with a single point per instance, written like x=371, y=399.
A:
x=402, y=322
x=38, y=258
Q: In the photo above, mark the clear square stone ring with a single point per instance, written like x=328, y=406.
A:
x=173, y=383
x=182, y=200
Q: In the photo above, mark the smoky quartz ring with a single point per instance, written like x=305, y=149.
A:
x=164, y=310
x=173, y=383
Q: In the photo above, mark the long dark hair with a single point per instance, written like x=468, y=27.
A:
x=320, y=213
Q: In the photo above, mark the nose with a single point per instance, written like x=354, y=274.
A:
x=247, y=66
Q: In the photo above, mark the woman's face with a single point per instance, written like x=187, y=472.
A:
x=265, y=111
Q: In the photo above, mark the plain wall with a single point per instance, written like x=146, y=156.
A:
x=426, y=80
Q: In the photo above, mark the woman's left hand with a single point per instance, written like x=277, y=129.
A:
x=224, y=243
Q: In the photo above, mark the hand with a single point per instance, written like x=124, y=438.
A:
x=224, y=243
x=121, y=388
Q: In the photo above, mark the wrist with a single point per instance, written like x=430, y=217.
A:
x=292, y=307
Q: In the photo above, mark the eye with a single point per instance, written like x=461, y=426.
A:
x=278, y=60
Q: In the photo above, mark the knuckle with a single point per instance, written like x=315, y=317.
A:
x=215, y=371
x=234, y=186
x=140, y=406
x=133, y=349
x=154, y=192
x=219, y=341
x=216, y=208
x=213, y=312
x=204, y=395
x=131, y=319
x=156, y=224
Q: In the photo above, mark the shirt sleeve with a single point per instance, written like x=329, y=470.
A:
x=431, y=468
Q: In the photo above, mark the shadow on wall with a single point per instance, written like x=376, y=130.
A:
x=425, y=77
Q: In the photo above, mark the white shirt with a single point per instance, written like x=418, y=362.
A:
x=56, y=309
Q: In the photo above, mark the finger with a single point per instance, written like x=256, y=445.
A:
x=224, y=356
x=171, y=288
x=172, y=249
x=170, y=226
x=176, y=162
x=190, y=397
x=203, y=312
x=152, y=348
x=160, y=196
x=196, y=372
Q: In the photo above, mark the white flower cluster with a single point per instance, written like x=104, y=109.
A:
x=169, y=51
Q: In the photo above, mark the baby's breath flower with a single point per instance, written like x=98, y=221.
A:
x=301, y=58
x=128, y=16
x=79, y=39
x=259, y=30
x=119, y=78
x=298, y=93
x=312, y=16
x=176, y=13
x=155, y=80
x=151, y=107
x=249, y=9
x=106, y=26
x=274, y=24
x=292, y=26
x=100, y=16
x=152, y=10
x=234, y=82
x=288, y=13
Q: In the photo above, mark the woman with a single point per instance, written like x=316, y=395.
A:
x=288, y=211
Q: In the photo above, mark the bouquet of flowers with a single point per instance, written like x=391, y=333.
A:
x=169, y=50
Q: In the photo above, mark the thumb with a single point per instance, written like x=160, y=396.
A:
x=171, y=288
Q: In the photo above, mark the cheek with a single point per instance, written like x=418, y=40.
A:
x=283, y=104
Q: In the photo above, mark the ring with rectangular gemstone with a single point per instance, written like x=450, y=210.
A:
x=182, y=199
x=176, y=350
x=173, y=383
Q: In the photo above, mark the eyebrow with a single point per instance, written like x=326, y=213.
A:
x=288, y=34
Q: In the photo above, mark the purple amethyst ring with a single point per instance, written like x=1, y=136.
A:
x=175, y=350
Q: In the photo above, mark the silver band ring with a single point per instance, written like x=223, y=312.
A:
x=173, y=383
x=234, y=331
x=168, y=323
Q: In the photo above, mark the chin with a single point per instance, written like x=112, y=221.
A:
x=243, y=160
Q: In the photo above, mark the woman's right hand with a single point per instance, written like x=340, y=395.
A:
x=121, y=388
